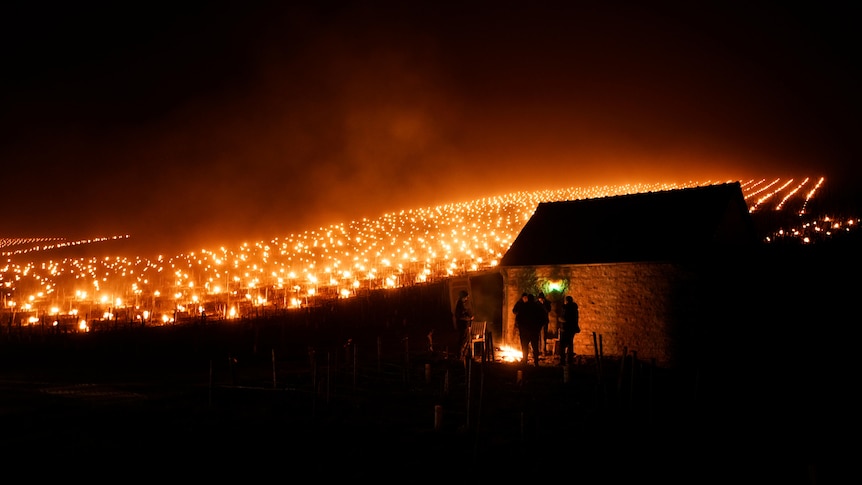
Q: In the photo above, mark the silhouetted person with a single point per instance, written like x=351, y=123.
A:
x=521, y=315
x=546, y=306
x=569, y=327
x=529, y=318
x=463, y=322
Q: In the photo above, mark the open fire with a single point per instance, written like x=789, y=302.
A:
x=509, y=354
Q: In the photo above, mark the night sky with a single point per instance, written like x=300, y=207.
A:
x=189, y=125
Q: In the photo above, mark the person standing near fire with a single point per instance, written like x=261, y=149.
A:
x=463, y=323
x=529, y=320
x=569, y=327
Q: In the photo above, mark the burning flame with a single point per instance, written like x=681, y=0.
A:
x=509, y=354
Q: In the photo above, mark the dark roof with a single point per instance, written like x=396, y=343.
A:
x=652, y=226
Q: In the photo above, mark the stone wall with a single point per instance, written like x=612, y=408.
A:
x=648, y=308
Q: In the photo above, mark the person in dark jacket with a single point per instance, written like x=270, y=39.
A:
x=529, y=318
x=520, y=310
x=569, y=327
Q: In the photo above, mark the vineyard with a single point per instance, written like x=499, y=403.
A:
x=396, y=249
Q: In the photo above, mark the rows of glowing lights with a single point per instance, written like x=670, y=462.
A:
x=396, y=249
x=47, y=243
x=764, y=193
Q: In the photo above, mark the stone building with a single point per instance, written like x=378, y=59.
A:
x=653, y=273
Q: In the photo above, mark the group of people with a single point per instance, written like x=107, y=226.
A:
x=532, y=318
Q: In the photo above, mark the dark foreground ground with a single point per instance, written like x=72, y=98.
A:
x=233, y=401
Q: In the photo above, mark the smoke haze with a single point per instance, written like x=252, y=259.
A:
x=222, y=123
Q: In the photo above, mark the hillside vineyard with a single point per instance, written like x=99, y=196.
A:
x=340, y=261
